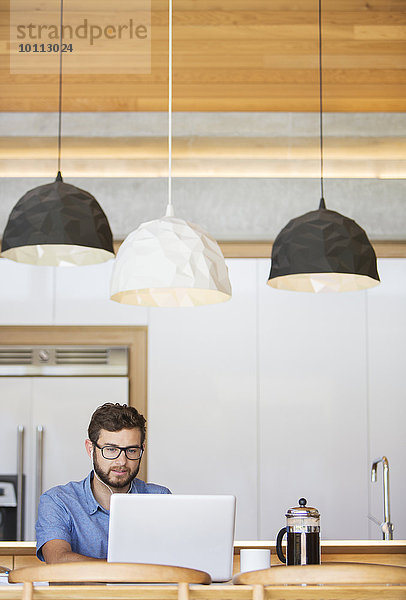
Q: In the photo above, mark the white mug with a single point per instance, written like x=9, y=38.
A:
x=254, y=559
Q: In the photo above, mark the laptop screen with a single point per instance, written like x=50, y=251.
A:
x=178, y=530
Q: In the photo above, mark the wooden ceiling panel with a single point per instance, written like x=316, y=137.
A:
x=239, y=55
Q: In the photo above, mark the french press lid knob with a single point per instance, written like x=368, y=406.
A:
x=302, y=510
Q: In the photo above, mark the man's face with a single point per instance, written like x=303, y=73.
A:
x=119, y=472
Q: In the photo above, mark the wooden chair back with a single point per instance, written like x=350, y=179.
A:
x=337, y=575
x=104, y=572
x=326, y=573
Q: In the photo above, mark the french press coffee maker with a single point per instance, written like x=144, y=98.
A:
x=303, y=536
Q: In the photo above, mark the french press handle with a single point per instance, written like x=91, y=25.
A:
x=279, y=550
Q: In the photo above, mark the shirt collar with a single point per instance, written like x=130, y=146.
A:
x=92, y=504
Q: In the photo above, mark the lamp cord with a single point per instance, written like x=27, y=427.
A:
x=322, y=204
x=169, y=209
x=105, y=484
x=60, y=89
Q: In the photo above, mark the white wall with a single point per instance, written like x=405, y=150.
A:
x=313, y=407
x=386, y=318
x=271, y=396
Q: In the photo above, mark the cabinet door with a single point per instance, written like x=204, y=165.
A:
x=202, y=414
x=27, y=294
x=62, y=407
x=387, y=396
x=82, y=296
x=312, y=408
x=15, y=410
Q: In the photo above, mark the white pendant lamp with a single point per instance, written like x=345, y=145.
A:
x=170, y=262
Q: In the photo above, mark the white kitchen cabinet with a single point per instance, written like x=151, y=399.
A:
x=62, y=406
x=33, y=295
x=15, y=412
x=270, y=396
x=312, y=408
x=82, y=297
x=201, y=412
x=26, y=294
x=387, y=391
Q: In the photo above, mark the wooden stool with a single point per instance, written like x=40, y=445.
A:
x=331, y=574
x=105, y=572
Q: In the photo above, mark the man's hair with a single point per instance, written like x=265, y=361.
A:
x=115, y=417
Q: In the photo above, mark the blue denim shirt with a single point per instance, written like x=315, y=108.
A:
x=71, y=513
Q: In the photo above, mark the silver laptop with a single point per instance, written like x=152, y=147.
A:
x=168, y=529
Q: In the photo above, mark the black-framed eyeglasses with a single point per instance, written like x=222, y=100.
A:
x=113, y=452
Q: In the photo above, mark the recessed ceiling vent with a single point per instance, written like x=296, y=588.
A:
x=82, y=356
x=15, y=356
x=63, y=361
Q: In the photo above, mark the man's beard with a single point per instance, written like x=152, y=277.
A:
x=106, y=477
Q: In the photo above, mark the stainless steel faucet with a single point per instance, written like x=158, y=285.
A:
x=386, y=526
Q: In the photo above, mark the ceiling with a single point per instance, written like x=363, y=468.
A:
x=228, y=55
x=246, y=154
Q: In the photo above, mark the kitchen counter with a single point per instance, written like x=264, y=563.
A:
x=21, y=554
x=373, y=551
x=18, y=554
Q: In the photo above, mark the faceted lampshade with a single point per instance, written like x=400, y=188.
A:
x=323, y=251
x=57, y=224
x=170, y=262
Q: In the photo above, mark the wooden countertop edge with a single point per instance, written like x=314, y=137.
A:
x=17, y=548
x=327, y=546
x=339, y=546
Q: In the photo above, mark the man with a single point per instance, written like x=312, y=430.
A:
x=73, y=519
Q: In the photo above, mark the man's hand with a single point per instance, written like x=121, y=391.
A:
x=58, y=551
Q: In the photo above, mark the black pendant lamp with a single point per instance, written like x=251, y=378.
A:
x=322, y=250
x=58, y=224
